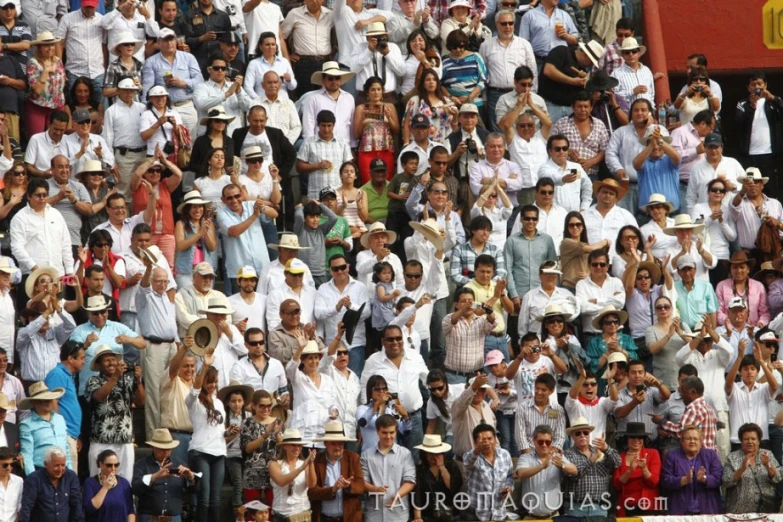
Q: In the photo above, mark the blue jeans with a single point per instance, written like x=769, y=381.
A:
x=414, y=436
x=437, y=339
x=557, y=111
x=506, y=423
x=630, y=201
x=131, y=354
x=208, y=488
x=356, y=360
x=424, y=351
x=454, y=378
x=492, y=100
x=180, y=453
x=270, y=234
x=496, y=343
x=234, y=470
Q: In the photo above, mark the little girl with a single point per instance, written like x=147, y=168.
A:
x=235, y=396
x=505, y=414
x=385, y=294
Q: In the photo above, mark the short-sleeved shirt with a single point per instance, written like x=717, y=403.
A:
x=563, y=59
x=9, y=99
x=71, y=216
x=112, y=422
x=400, y=184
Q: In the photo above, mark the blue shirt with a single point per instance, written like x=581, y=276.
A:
x=36, y=435
x=694, y=304
x=106, y=335
x=61, y=377
x=660, y=176
x=184, y=67
x=43, y=502
x=539, y=29
x=249, y=248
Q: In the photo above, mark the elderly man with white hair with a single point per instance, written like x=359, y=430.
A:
x=40, y=503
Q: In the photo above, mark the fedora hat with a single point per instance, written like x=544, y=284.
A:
x=601, y=81
x=191, y=198
x=102, y=350
x=234, y=387
x=754, y=174
x=376, y=29
x=636, y=429
x=96, y=303
x=162, y=439
x=218, y=112
x=218, y=305
x=593, y=50
x=152, y=253
x=553, y=310
x=630, y=44
x=657, y=199
x=377, y=228
x=741, y=258
x=293, y=436
x=612, y=184
x=91, y=166
x=5, y=266
x=649, y=132
x=331, y=69
x=45, y=38
x=126, y=38
x=766, y=267
x=5, y=404
x=29, y=285
x=289, y=241
x=334, y=432
x=683, y=222
x=430, y=229
x=653, y=268
x=205, y=336
x=351, y=321
x=432, y=443
x=254, y=151
x=311, y=348
x=607, y=310
x=40, y=392
x=579, y=424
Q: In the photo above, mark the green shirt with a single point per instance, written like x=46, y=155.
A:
x=341, y=230
x=377, y=205
x=400, y=184
x=694, y=304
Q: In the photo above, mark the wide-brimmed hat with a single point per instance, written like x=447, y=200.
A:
x=657, y=199
x=236, y=387
x=635, y=429
x=653, y=268
x=102, y=350
x=294, y=437
x=609, y=310
x=287, y=240
x=5, y=266
x=767, y=267
x=334, y=432
x=162, y=439
x=432, y=443
x=218, y=305
x=741, y=258
x=90, y=166
x=96, y=303
x=601, y=81
x=649, y=132
x=377, y=228
x=218, y=112
x=5, y=404
x=376, y=29
x=683, y=222
x=126, y=38
x=553, y=310
x=593, y=49
x=331, y=69
x=311, y=348
x=254, y=151
x=579, y=424
x=754, y=174
x=29, y=285
x=351, y=320
x=40, y=392
x=205, y=336
x=430, y=229
x=612, y=184
x=45, y=38
x=616, y=357
x=192, y=198
x=629, y=44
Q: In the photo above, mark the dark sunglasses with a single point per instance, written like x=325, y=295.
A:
x=264, y=405
x=529, y=218
x=101, y=245
x=219, y=67
x=555, y=320
x=294, y=312
x=338, y=268
x=546, y=192
x=232, y=198
x=440, y=162
x=413, y=276
x=108, y=465
x=340, y=353
x=437, y=388
x=591, y=384
x=397, y=339
x=100, y=312
x=700, y=79
x=631, y=51
x=663, y=307
x=331, y=78
x=656, y=207
x=544, y=442
x=581, y=432
x=254, y=160
x=718, y=191
x=771, y=344
x=506, y=24
x=19, y=173
x=598, y=265
x=7, y=465
x=578, y=225
x=564, y=148
x=155, y=171
x=380, y=388
x=639, y=277
x=256, y=343
x=611, y=321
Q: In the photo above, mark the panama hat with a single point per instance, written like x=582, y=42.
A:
x=45, y=38
x=234, y=387
x=630, y=44
x=608, y=310
x=754, y=174
x=90, y=166
x=769, y=266
x=5, y=266
x=293, y=436
x=334, y=432
x=125, y=38
x=553, y=310
x=205, y=336
x=289, y=241
x=96, y=303
x=612, y=184
x=40, y=392
x=432, y=443
x=29, y=285
x=430, y=229
x=594, y=50
x=683, y=222
x=377, y=228
x=616, y=357
x=218, y=112
x=102, y=350
x=649, y=132
x=254, y=151
x=218, y=305
x=331, y=69
x=128, y=84
x=311, y=348
x=5, y=404
x=653, y=268
x=192, y=198
x=579, y=424
x=162, y=439
x=376, y=29
x=657, y=199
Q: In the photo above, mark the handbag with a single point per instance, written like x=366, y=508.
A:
x=183, y=146
x=303, y=516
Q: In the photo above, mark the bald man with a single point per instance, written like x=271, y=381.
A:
x=283, y=340
x=281, y=111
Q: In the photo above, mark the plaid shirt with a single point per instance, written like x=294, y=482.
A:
x=529, y=416
x=116, y=71
x=611, y=59
x=463, y=261
x=465, y=343
x=698, y=413
x=592, y=146
x=315, y=150
x=485, y=481
x=592, y=479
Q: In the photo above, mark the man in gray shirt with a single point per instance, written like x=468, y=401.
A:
x=70, y=197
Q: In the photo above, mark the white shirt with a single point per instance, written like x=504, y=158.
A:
x=596, y=415
x=622, y=148
x=255, y=312
x=342, y=108
x=266, y=16
x=282, y=114
x=207, y=438
x=502, y=60
x=121, y=124
x=347, y=392
x=162, y=134
x=607, y=227
x=403, y=380
x=272, y=278
x=73, y=144
x=611, y=293
x=233, y=8
x=530, y=156
x=328, y=316
x=271, y=379
x=306, y=300
x=365, y=260
x=345, y=20
x=702, y=173
x=535, y=302
x=504, y=169
x=575, y=196
x=41, y=149
x=312, y=403
x=41, y=240
x=311, y=36
x=121, y=239
x=227, y=353
x=11, y=498
x=760, y=142
x=712, y=370
x=551, y=223
x=133, y=266
x=256, y=70
x=115, y=24
x=720, y=235
x=366, y=63
x=7, y=324
x=747, y=405
x=702, y=268
x=430, y=284
x=662, y=241
x=208, y=94
x=83, y=36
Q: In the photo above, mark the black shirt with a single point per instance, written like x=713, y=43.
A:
x=198, y=23
x=177, y=27
x=163, y=496
x=563, y=58
x=9, y=97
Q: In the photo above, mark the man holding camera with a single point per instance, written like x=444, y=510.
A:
x=465, y=330
x=377, y=57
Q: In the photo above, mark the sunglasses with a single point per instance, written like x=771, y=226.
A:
x=397, y=339
x=264, y=405
x=232, y=198
x=598, y=265
x=413, y=276
x=439, y=191
x=642, y=276
x=254, y=160
x=544, y=442
x=656, y=207
x=219, y=67
x=611, y=321
x=338, y=268
x=771, y=344
x=294, y=312
x=555, y=320
x=381, y=388
x=700, y=79
x=529, y=218
x=582, y=433
x=718, y=191
x=564, y=148
x=546, y=192
x=590, y=384
x=101, y=245
x=154, y=171
x=440, y=162
x=340, y=353
x=109, y=465
x=100, y=312
x=663, y=307
x=506, y=24
x=437, y=388
x=631, y=51
x=331, y=78
x=19, y=173
x=577, y=225
x=256, y=343
x=7, y=465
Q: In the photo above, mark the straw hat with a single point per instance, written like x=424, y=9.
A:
x=192, y=198
x=45, y=38
x=96, y=303
x=430, y=229
x=376, y=29
x=205, y=336
x=649, y=132
x=254, y=151
x=377, y=228
x=593, y=49
x=657, y=199
x=334, y=432
x=579, y=424
x=653, y=268
x=630, y=44
x=612, y=184
x=218, y=305
x=5, y=266
x=294, y=437
x=162, y=439
x=777, y=265
x=331, y=69
x=432, y=443
x=311, y=348
x=683, y=222
x=553, y=310
x=36, y=274
x=91, y=166
x=5, y=404
x=102, y=350
x=218, y=112
x=234, y=387
x=126, y=37
x=754, y=174
x=40, y=392
x=607, y=310
x=289, y=241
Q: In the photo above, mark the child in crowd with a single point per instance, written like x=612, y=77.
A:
x=338, y=239
x=312, y=234
x=506, y=413
x=385, y=294
x=398, y=191
x=235, y=396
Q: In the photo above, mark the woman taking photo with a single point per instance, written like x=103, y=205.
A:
x=664, y=339
x=379, y=403
x=610, y=340
x=436, y=477
x=575, y=249
x=259, y=438
x=216, y=137
x=315, y=394
x=108, y=496
x=213, y=178
x=750, y=475
x=429, y=101
x=46, y=78
x=636, y=479
x=720, y=227
x=557, y=334
x=658, y=209
x=375, y=124
x=207, y=452
x=292, y=476
x=159, y=122
x=351, y=201
x=421, y=56
x=464, y=73
x=629, y=245
x=269, y=60
x=692, y=474
x=739, y=284
x=697, y=97
x=196, y=238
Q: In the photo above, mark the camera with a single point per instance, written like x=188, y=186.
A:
x=393, y=396
x=174, y=472
x=471, y=145
x=383, y=42
x=487, y=309
x=536, y=349
x=758, y=91
x=168, y=148
x=604, y=97
x=698, y=88
x=639, y=388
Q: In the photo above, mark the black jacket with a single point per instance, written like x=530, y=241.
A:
x=743, y=116
x=283, y=153
x=455, y=138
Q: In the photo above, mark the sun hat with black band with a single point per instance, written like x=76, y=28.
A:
x=191, y=198
x=432, y=443
x=218, y=305
x=594, y=50
x=292, y=436
x=334, y=432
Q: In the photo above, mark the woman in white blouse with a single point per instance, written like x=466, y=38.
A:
x=213, y=178
x=494, y=204
x=291, y=476
x=652, y=232
x=720, y=227
x=315, y=395
x=421, y=56
x=207, y=453
x=269, y=60
x=158, y=122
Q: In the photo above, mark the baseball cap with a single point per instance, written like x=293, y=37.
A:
x=420, y=120
x=493, y=357
x=81, y=116
x=713, y=138
x=85, y=3
x=469, y=108
x=686, y=261
x=767, y=334
x=377, y=164
x=203, y=268
x=295, y=266
x=166, y=33
x=325, y=192
x=737, y=302
x=247, y=272
x=229, y=37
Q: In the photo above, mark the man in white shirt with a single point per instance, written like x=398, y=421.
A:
x=249, y=305
x=347, y=386
x=120, y=226
x=82, y=145
x=281, y=112
x=294, y=288
x=526, y=145
x=573, y=190
x=640, y=398
x=714, y=166
x=749, y=400
x=624, y=146
x=605, y=219
x=217, y=91
x=258, y=370
x=495, y=166
x=230, y=346
x=551, y=216
x=350, y=20
x=333, y=98
x=583, y=400
x=12, y=485
x=309, y=29
x=121, y=125
x=377, y=57
x=636, y=79
x=81, y=34
x=46, y=145
x=598, y=291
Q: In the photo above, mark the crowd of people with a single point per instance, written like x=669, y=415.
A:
x=395, y=260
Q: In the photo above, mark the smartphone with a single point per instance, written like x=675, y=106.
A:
x=393, y=396
x=639, y=388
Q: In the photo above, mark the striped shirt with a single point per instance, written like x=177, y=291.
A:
x=541, y=492
x=594, y=144
x=315, y=150
x=611, y=60
x=698, y=413
x=40, y=353
x=462, y=75
x=748, y=221
x=629, y=79
x=465, y=343
x=529, y=416
x=83, y=36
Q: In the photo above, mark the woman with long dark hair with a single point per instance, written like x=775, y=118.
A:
x=421, y=56
x=216, y=137
x=574, y=250
x=629, y=240
x=379, y=402
x=442, y=396
x=436, y=477
x=429, y=101
x=196, y=238
x=83, y=96
x=697, y=96
x=108, y=496
x=213, y=177
x=375, y=124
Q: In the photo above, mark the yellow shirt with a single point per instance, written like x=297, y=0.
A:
x=485, y=293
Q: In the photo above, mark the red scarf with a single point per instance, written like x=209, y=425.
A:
x=584, y=401
x=115, y=292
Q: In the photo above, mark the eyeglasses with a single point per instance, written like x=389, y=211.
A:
x=19, y=173
x=330, y=78
x=256, y=343
x=208, y=276
x=544, y=442
x=254, y=160
x=380, y=388
x=460, y=46
x=439, y=191
x=581, y=433
x=413, y=276
x=294, y=312
x=529, y=218
x=40, y=195
x=525, y=125
x=639, y=277
x=546, y=192
x=219, y=67
x=577, y=225
x=100, y=312
x=101, y=245
x=506, y=24
x=437, y=388
x=232, y=198
x=631, y=51
x=564, y=148
x=340, y=353
x=718, y=191
x=338, y=268
x=397, y=339
x=598, y=265
x=611, y=321
x=111, y=465
x=591, y=384
x=663, y=307
x=656, y=207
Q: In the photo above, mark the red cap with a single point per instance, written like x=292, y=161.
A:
x=89, y=3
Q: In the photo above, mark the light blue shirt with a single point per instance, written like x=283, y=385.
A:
x=249, y=248
x=36, y=435
x=660, y=176
x=61, y=377
x=106, y=335
x=539, y=29
x=184, y=67
x=694, y=304
x=333, y=508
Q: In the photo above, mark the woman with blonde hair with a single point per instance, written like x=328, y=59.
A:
x=46, y=78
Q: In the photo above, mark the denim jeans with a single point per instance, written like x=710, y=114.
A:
x=414, y=436
x=270, y=234
x=492, y=100
x=496, y=343
x=234, y=470
x=557, y=111
x=630, y=201
x=437, y=339
x=180, y=453
x=131, y=354
x=506, y=422
x=454, y=378
x=208, y=488
x=356, y=360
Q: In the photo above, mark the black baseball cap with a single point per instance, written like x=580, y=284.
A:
x=377, y=164
x=420, y=120
x=326, y=192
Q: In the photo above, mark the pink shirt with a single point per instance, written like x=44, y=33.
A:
x=758, y=309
